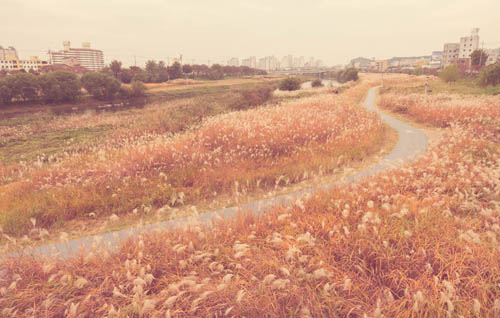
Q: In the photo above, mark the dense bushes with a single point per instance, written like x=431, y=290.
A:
x=253, y=97
x=317, y=83
x=290, y=84
x=489, y=75
x=100, y=85
x=450, y=74
x=5, y=92
x=138, y=89
x=63, y=86
x=60, y=86
x=24, y=86
x=350, y=74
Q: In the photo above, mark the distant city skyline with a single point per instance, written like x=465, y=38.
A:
x=218, y=30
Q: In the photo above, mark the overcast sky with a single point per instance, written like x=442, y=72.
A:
x=215, y=30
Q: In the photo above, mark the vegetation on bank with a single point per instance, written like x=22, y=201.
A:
x=464, y=85
x=63, y=87
x=417, y=241
x=223, y=155
x=290, y=84
x=317, y=83
x=159, y=72
x=43, y=136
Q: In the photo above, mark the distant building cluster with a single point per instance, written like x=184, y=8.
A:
x=84, y=58
x=272, y=63
x=10, y=61
x=453, y=53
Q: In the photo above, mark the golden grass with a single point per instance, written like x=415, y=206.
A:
x=418, y=241
x=234, y=153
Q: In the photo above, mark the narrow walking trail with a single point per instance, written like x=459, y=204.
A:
x=412, y=142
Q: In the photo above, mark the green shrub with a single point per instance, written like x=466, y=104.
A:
x=450, y=74
x=317, y=83
x=60, y=86
x=100, y=85
x=350, y=74
x=5, y=92
x=253, y=97
x=489, y=75
x=138, y=89
x=126, y=76
x=290, y=84
x=24, y=86
x=124, y=92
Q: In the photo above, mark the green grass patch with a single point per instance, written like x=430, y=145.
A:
x=15, y=149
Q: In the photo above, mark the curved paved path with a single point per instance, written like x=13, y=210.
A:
x=412, y=141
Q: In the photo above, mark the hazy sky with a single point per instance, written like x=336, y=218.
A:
x=216, y=30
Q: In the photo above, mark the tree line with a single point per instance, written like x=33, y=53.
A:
x=159, y=72
x=64, y=86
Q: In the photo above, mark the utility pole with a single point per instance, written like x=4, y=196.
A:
x=481, y=57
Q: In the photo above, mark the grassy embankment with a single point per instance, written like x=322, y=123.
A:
x=418, y=241
x=142, y=167
x=467, y=86
x=27, y=133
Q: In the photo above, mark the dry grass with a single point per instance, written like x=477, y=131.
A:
x=419, y=241
x=235, y=153
x=183, y=83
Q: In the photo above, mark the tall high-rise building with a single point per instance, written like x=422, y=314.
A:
x=287, y=62
x=91, y=59
x=233, y=62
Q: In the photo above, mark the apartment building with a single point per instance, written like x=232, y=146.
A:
x=85, y=56
x=233, y=62
x=450, y=52
x=469, y=44
x=250, y=62
x=9, y=61
x=9, y=53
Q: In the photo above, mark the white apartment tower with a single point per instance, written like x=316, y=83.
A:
x=469, y=44
x=250, y=62
x=91, y=59
x=233, y=62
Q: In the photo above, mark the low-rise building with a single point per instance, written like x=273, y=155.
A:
x=9, y=61
x=450, y=52
x=493, y=56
